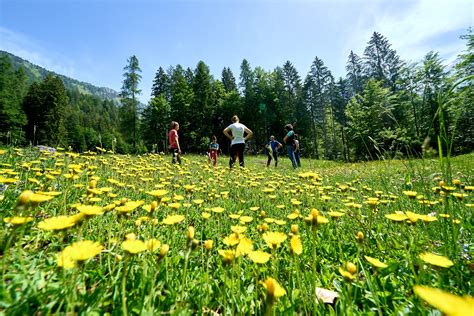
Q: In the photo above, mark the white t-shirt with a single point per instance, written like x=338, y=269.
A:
x=237, y=130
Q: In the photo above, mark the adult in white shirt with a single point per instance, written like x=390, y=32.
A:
x=235, y=132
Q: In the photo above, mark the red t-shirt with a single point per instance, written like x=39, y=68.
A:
x=172, y=137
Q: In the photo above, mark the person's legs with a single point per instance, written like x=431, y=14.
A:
x=297, y=158
x=233, y=155
x=269, y=159
x=241, y=154
x=291, y=155
x=214, y=157
x=275, y=156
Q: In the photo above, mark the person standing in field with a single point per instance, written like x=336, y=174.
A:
x=213, y=149
x=173, y=140
x=289, y=141
x=297, y=151
x=272, y=150
x=235, y=132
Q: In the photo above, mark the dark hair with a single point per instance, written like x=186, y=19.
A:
x=235, y=119
x=173, y=124
x=289, y=127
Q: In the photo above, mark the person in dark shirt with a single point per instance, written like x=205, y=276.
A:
x=272, y=150
x=289, y=141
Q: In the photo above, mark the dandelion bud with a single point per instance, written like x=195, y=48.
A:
x=208, y=244
x=25, y=197
x=360, y=236
x=194, y=243
x=294, y=229
x=441, y=183
x=262, y=214
x=190, y=232
x=164, y=250
x=153, y=206
x=314, y=213
x=456, y=182
x=270, y=285
x=131, y=236
x=351, y=268
x=93, y=184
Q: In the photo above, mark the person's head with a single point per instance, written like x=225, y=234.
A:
x=272, y=138
x=174, y=125
x=289, y=127
x=214, y=139
x=235, y=119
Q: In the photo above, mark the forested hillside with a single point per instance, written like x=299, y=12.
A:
x=383, y=107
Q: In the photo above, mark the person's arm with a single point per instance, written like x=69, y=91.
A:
x=249, y=133
x=285, y=138
x=226, y=133
x=297, y=145
x=279, y=145
x=177, y=142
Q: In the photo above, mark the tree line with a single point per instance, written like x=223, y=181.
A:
x=383, y=107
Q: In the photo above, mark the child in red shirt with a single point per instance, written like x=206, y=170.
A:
x=173, y=140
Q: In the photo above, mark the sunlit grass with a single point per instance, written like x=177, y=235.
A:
x=136, y=234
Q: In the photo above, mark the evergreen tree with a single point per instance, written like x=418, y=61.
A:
x=203, y=111
x=354, y=73
x=128, y=94
x=12, y=91
x=381, y=62
x=228, y=80
x=161, y=85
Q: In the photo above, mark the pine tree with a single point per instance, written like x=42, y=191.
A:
x=161, y=85
x=12, y=91
x=354, y=73
x=381, y=62
x=228, y=80
x=128, y=95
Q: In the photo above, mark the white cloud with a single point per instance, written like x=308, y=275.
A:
x=35, y=52
x=415, y=27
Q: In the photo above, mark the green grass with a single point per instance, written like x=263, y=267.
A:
x=33, y=282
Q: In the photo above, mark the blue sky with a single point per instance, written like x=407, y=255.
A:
x=90, y=40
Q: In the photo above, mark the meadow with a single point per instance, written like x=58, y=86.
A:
x=99, y=233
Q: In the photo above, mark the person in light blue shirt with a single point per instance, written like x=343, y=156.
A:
x=272, y=150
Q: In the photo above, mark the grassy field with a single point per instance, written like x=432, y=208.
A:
x=136, y=235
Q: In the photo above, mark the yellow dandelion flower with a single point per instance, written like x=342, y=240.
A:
x=351, y=268
x=234, y=216
x=245, y=246
x=40, y=198
x=217, y=209
x=292, y=216
x=198, y=202
x=57, y=223
x=18, y=220
x=173, y=219
x=238, y=229
x=206, y=215
x=347, y=275
x=65, y=260
x=336, y=214
x=274, y=239
x=436, y=260
x=245, y=219
x=227, y=255
x=397, y=217
x=259, y=256
x=274, y=289
x=231, y=240
x=90, y=209
x=208, y=244
x=83, y=250
x=375, y=262
x=157, y=193
x=449, y=304
x=134, y=246
x=152, y=244
x=296, y=247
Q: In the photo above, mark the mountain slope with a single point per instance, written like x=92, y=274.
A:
x=35, y=73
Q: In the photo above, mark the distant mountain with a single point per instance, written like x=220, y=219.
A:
x=36, y=73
